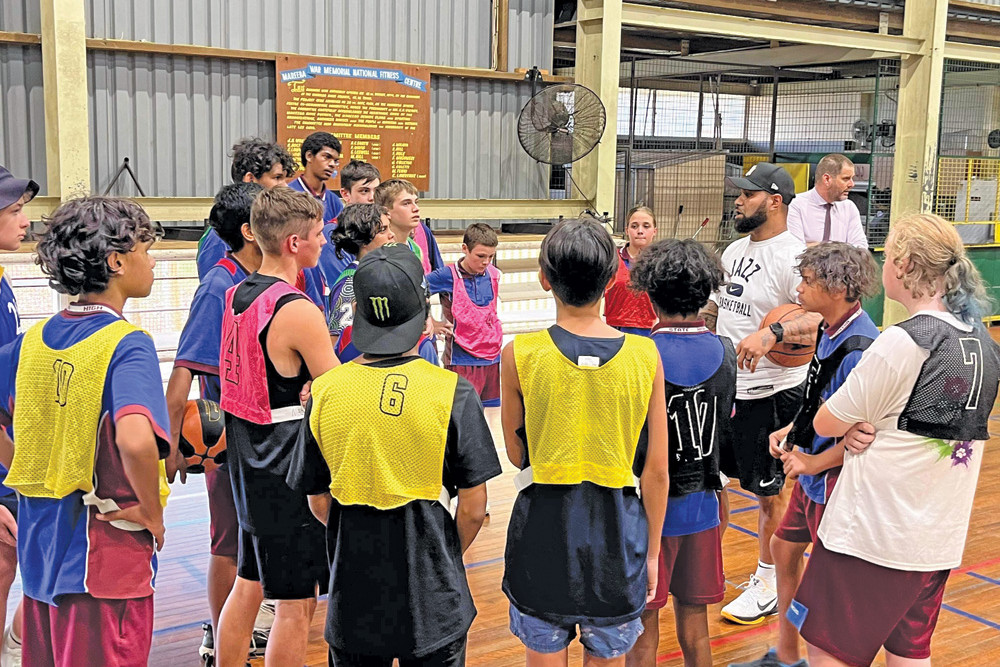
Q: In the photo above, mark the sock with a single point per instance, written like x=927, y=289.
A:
x=765, y=572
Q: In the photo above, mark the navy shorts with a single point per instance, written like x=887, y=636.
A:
x=610, y=641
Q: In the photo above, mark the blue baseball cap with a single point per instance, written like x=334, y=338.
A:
x=12, y=189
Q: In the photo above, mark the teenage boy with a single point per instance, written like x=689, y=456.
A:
x=470, y=291
x=700, y=373
x=254, y=161
x=761, y=269
x=274, y=341
x=358, y=181
x=400, y=198
x=385, y=499
x=576, y=445
x=14, y=225
x=198, y=356
x=835, y=276
x=90, y=425
x=320, y=154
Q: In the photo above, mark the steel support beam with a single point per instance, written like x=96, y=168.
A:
x=598, y=63
x=706, y=23
x=64, y=79
x=975, y=52
x=921, y=79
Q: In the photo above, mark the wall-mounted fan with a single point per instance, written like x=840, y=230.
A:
x=861, y=133
x=993, y=139
x=561, y=124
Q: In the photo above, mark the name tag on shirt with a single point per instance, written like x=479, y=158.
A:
x=592, y=362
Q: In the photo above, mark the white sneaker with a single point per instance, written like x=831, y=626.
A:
x=265, y=616
x=757, y=601
x=10, y=651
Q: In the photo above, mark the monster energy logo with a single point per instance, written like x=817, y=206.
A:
x=380, y=305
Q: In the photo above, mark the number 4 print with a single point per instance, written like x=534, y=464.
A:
x=231, y=355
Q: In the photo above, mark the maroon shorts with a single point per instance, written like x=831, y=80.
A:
x=485, y=380
x=850, y=607
x=801, y=520
x=690, y=569
x=84, y=631
x=224, y=527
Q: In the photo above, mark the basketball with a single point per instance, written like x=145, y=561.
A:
x=788, y=355
x=203, y=436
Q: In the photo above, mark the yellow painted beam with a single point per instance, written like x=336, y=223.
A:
x=921, y=78
x=64, y=80
x=976, y=52
x=707, y=23
x=598, y=64
x=195, y=209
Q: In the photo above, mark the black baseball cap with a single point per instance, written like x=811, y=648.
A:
x=769, y=177
x=392, y=300
x=12, y=189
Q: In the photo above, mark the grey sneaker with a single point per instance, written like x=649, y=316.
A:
x=258, y=643
x=769, y=659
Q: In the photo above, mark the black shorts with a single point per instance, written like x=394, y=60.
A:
x=10, y=502
x=748, y=458
x=449, y=655
x=290, y=565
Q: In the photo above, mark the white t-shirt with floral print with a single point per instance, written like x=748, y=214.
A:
x=905, y=502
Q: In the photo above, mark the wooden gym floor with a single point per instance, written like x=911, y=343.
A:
x=968, y=631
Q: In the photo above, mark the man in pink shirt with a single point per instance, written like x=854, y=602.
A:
x=825, y=213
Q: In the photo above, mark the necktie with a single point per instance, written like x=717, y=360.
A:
x=826, y=222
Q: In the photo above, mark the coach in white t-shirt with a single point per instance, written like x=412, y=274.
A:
x=762, y=276
x=825, y=213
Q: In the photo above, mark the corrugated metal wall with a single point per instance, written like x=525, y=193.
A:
x=435, y=32
x=177, y=117
x=20, y=16
x=22, y=112
x=530, y=27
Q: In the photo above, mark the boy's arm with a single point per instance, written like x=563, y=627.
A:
x=319, y=505
x=799, y=463
x=512, y=407
x=470, y=514
x=178, y=388
x=302, y=327
x=6, y=449
x=136, y=443
x=655, y=478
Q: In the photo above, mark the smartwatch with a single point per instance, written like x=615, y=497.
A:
x=778, y=331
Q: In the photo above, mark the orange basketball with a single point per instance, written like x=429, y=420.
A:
x=203, y=436
x=788, y=355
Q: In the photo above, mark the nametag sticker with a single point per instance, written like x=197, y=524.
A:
x=591, y=362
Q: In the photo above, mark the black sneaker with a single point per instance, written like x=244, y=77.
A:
x=207, y=648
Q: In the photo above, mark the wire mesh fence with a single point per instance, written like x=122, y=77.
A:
x=674, y=112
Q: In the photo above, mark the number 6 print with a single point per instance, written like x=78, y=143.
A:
x=392, y=395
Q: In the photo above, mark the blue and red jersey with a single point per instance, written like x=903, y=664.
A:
x=480, y=291
x=690, y=354
x=857, y=322
x=198, y=347
x=211, y=248
x=62, y=548
x=10, y=327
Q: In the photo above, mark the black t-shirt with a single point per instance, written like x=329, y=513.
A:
x=577, y=553
x=258, y=454
x=397, y=578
